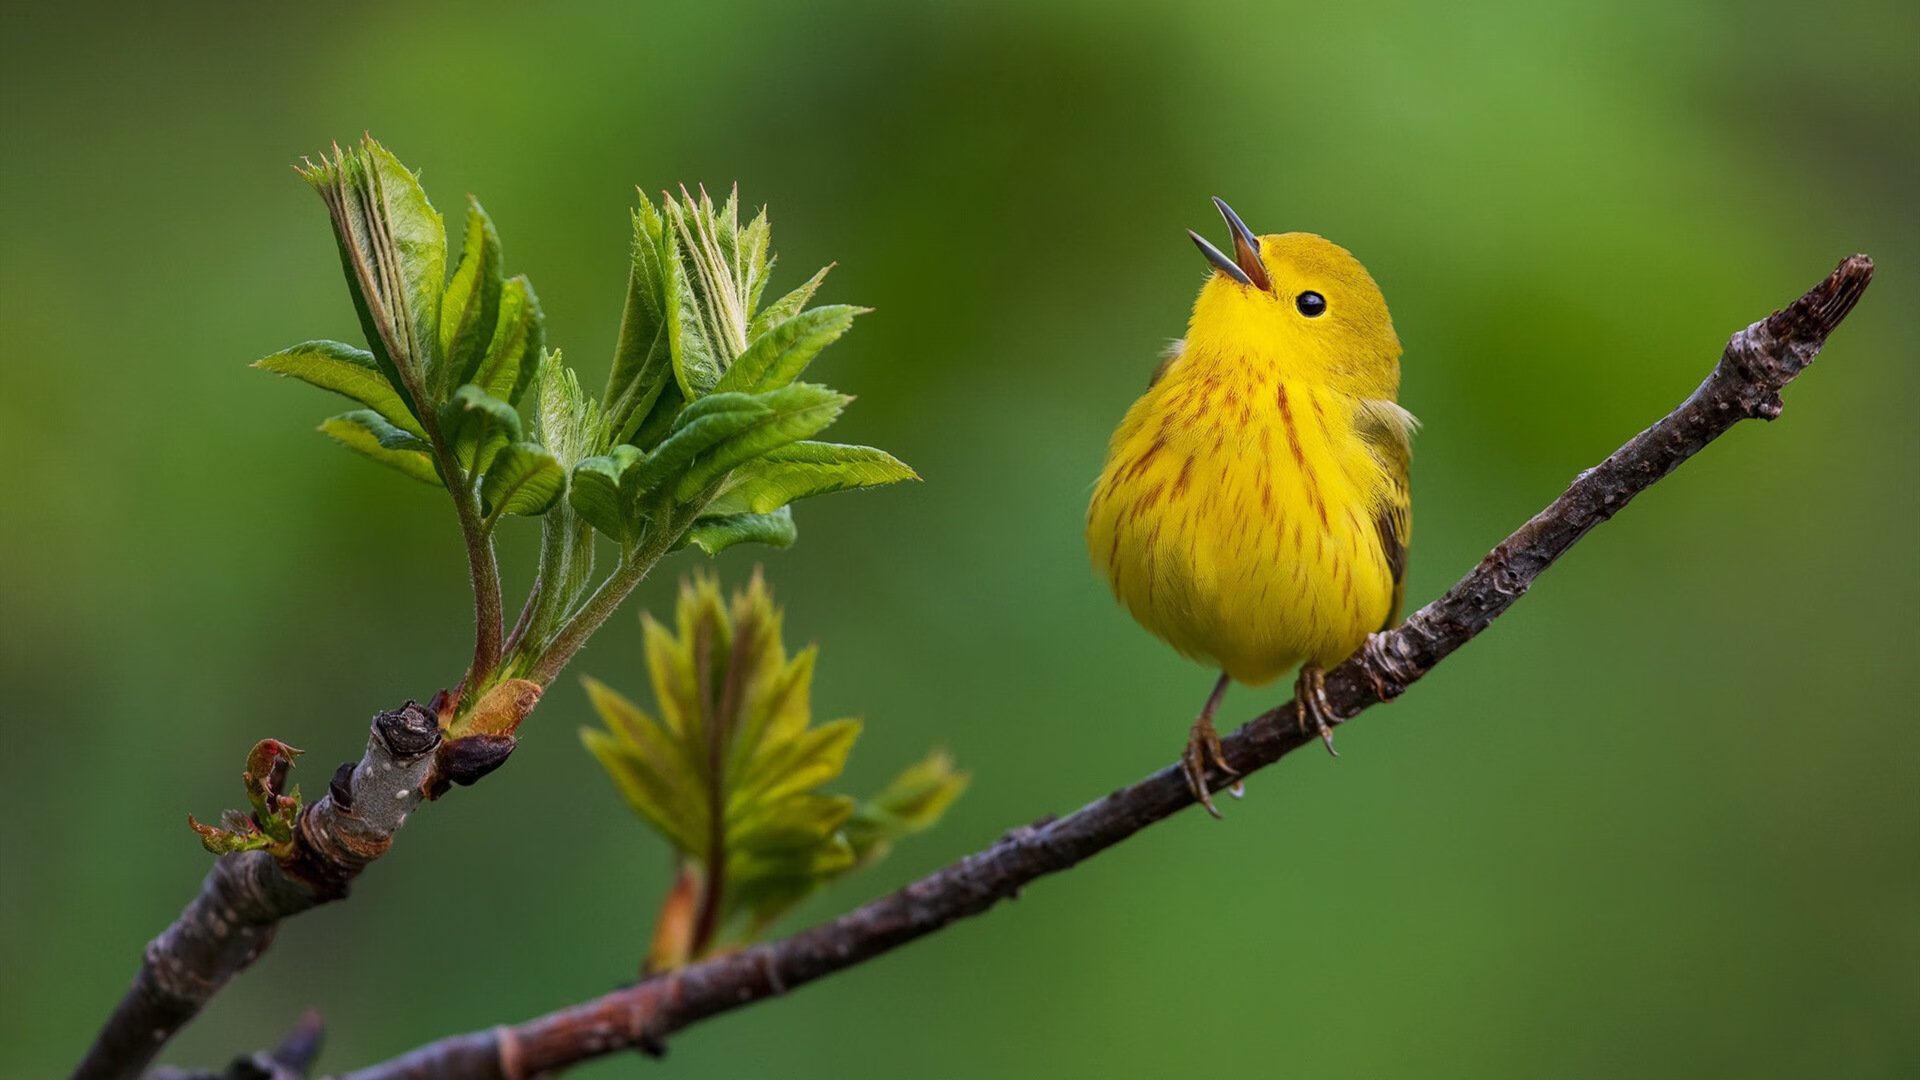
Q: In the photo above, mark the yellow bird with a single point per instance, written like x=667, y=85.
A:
x=1255, y=510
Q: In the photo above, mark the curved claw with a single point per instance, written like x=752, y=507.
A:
x=1310, y=704
x=1203, y=749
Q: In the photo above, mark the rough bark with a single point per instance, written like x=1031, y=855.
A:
x=1746, y=383
x=231, y=921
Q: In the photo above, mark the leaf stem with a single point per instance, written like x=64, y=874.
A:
x=488, y=606
x=606, y=599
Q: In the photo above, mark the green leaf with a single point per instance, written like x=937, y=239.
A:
x=755, y=256
x=565, y=420
x=343, y=369
x=787, y=767
x=368, y=432
x=659, y=419
x=912, y=802
x=595, y=491
x=803, y=469
x=643, y=357
x=420, y=238
x=787, y=306
x=778, y=356
x=735, y=738
x=471, y=304
x=525, y=479
x=519, y=336
x=394, y=247
x=567, y=423
x=793, y=413
x=714, y=535
x=696, y=357
x=798, y=824
x=699, y=428
x=477, y=424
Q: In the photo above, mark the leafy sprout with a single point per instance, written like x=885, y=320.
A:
x=703, y=435
x=731, y=773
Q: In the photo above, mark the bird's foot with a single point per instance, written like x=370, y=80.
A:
x=1204, y=749
x=1311, y=707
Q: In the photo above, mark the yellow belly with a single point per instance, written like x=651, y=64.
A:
x=1234, y=519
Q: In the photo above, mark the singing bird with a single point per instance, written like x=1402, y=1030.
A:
x=1255, y=508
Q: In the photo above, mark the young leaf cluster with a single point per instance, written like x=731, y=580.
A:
x=709, y=428
x=703, y=436
x=731, y=772
x=276, y=809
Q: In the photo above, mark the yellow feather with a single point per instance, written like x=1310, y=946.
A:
x=1254, y=509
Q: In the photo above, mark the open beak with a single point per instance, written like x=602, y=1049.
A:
x=1245, y=267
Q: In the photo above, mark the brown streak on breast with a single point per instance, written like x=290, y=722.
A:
x=1293, y=433
x=1146, y=458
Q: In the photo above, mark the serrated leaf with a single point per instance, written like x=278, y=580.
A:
x=787, y=306
x=755, y=257
x=650, y=769
x=394, y=247
x=471, y=304
x=419, y=237
x=524, y=479
x=803, y=469
x=595, y=491
x=817, y=755
x=699, y=428
x=778, y=356
x=368, y=433
x=801, y=823
x=566, y=421
x=911, y=802
x=519, y=336
x=734, y=738
x=792, y=413
x=696, y=357
x=714, y=535
x=477, y=425
x=659, y=420
x=808, y=866
x=343, y=369
x=643, y=357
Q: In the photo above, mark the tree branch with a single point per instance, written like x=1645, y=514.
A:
x=1758, y=362
x=243, y=898
x=232, y=919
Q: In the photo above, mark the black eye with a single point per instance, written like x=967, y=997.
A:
x=1311, y=304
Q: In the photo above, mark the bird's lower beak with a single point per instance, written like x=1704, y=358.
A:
x=1245, y=267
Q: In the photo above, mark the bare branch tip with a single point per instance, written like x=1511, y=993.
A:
x=1815, y=315
x=302, y=1045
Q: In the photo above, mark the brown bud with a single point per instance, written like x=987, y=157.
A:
x=341, y=786
x=408, y=732
x=465, y=760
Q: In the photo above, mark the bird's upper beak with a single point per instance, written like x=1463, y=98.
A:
x=1245, y=267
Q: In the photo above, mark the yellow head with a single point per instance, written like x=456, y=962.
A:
x=1299, y=303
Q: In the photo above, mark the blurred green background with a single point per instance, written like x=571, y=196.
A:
x=1664, y=819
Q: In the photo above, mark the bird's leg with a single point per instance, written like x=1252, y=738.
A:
x=1310, y=703
x=1203, y=748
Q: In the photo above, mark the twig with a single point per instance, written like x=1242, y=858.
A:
x=232, y=919
x=290, y=1060
x=243, y=898
x=1757, y=363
